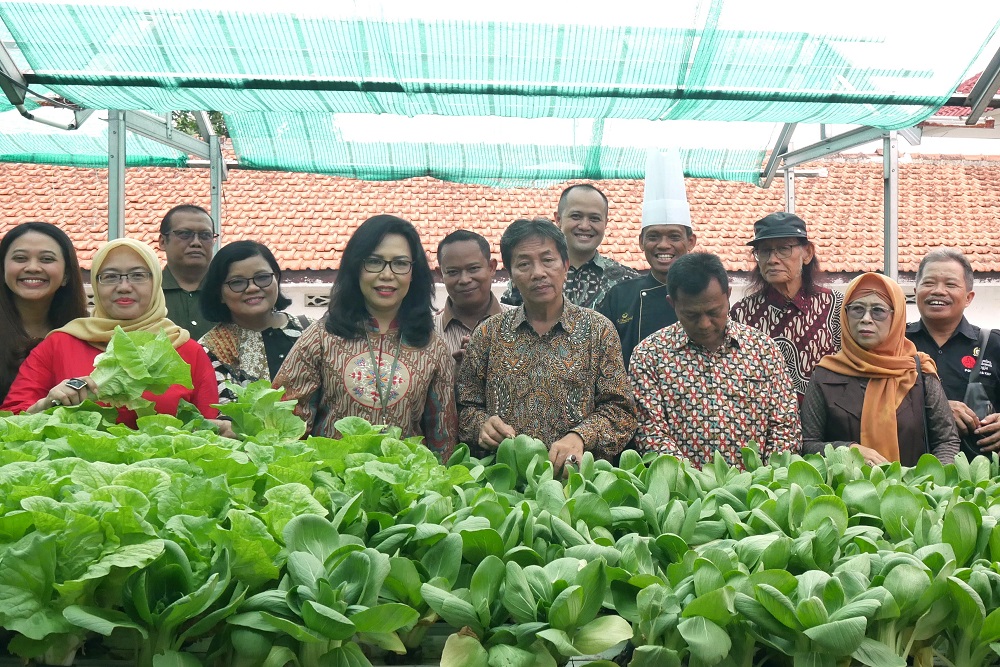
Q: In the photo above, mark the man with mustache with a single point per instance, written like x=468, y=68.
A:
x=188, y=240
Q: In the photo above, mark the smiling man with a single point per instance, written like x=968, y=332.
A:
x=548, y=369
x=467, y=271
x=706, y=383
x=944, y=289
x=640, y=307
x=187, y=238
x=582, y=215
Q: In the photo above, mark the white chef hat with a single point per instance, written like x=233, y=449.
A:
x=665, y=199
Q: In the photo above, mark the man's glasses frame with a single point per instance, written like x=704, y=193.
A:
x=781, y=251
x=186, y=235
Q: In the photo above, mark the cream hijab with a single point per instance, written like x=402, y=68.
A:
x=99, y=328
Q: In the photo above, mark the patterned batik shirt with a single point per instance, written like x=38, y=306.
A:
x=572, y=378
x=806, y=328
x=332, y=377
x=692, y=402
x=585, y=285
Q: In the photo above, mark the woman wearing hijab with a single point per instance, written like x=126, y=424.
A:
x=127, y=281
x=871, y=395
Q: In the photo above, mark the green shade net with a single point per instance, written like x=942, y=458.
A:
x=24, y=141
x=285, y=77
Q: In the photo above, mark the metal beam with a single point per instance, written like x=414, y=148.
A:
x=984, y=90
x=154, y=127
x=913, y=135
x=890, y=198
x=790, y=190
x=780, y=146
x=12, y=81
x=216, y=176
x=833, y=145
x=116, y=174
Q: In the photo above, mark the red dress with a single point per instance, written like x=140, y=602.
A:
x=61, y=356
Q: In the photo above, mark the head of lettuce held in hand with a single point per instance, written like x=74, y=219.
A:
x=126, y=279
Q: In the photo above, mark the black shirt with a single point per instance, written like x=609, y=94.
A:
x=957, y=356
x=637, y=308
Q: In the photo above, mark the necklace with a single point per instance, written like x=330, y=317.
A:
x=383, y=388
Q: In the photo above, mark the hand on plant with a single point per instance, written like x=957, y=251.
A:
x=872, y=457
x=965, y=419
x=568, y=448
x=71, y=391
x=495, y=431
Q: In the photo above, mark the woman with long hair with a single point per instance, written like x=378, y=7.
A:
x=42, y=290
x=127, y=280
x=375, y=354
x=878, y=394
x=785, y=299
x=242, y=292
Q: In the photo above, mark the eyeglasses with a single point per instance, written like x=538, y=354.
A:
x=134, y=277
x=398, y=266
x=856, y=311
x=781, y=252
x=187, y=235
x=240, y=285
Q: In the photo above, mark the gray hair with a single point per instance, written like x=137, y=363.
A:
x=947, y=255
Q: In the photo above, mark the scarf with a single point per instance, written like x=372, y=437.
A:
x=890, y=367
x=99, y=328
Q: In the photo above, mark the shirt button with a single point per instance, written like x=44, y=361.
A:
x=193, y=323
x=940, y=351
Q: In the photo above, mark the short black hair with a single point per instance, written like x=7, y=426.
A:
x=182, y=208
x=525, y=228
x=460, y=235
x=692, y=273
x=348, y=316
x=212, y=305
x=581, y=186
x=948, y=255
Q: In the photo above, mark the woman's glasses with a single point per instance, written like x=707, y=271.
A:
x=240, y=285
x=856, y=311
x=134, y=277
x=397, y=266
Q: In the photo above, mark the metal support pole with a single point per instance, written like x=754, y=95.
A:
x=215, y=171
x=116, y=174
x=790, y=190
x=890, y=184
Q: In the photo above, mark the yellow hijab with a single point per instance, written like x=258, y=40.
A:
x=890, y=367
x=99, y=328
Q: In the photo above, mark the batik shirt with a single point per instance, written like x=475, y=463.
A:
x=806, y=327
x=332, y=377
x=572, y=378
x=692, y=402
x=585, y=285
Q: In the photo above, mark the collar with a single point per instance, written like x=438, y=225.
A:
x=568, y=319
x=169, y=282
x=597, y=262
x=733, y=337
x=964, y=327
x=371, y=325
x=775, y=298
x=447, y=315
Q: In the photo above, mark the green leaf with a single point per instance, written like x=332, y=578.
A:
x=101, y=621
x=561, y=641
x=517, y=597
x=329, y=622
x=601, y=634
x=383, y=618
x=840, y=638
x=175, y=659
x=823, y=507
x=961, y=528
x=899, y=508
x=778, y=604
x=565, y=609
x=455, y=611
x=135, y=362
x=707, y=641
x=347, y=655
x=876, y=654
x=286, y=502
x=463, y=650
x=716, y=606
x=502, y=655
x=655, y=656
x=478, y=544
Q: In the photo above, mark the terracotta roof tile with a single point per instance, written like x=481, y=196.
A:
x=307, y=218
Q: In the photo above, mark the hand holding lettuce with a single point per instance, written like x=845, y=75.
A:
x=135, y=362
